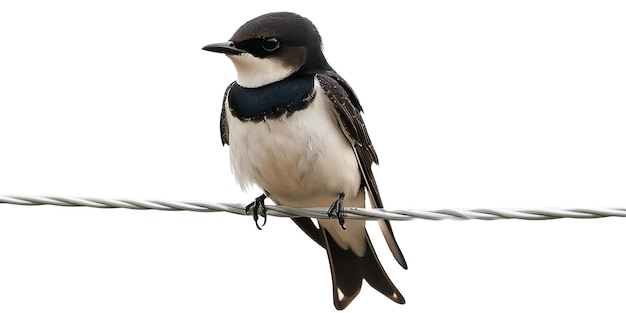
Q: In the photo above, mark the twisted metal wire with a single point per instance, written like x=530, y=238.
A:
x=321, y=213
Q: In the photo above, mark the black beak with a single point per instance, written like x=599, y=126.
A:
x=224, y=47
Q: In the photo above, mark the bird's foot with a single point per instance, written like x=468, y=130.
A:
x=258, y=203
x=336, y=208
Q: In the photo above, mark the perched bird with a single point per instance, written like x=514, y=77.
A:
x=294, y=128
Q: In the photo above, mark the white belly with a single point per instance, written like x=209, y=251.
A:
x=301, y=160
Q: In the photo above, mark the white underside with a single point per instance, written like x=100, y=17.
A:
x=303, y=160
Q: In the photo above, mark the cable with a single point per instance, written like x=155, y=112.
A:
x=320, y=213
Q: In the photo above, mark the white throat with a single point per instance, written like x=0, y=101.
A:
x=253, y=72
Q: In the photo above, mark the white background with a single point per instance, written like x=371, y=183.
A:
x=469, y=104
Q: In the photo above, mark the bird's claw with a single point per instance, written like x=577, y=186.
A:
x=258, y=203
x=336, y=208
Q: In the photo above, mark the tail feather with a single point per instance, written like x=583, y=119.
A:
x=309, y=228
x=376, y=276
x=348, y=271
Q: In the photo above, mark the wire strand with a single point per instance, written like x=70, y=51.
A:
x=321, y=213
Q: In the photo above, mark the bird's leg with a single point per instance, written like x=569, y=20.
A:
x=337, y=208
x=258, y=203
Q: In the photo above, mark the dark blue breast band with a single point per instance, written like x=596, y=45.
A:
x=288, y=95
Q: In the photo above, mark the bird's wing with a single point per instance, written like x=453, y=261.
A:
x=223, y=121
x=347, y=110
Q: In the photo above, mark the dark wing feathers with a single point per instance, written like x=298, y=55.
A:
x=347, y=110
x=223, y=122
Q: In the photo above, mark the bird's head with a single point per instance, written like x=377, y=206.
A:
x=272, y=47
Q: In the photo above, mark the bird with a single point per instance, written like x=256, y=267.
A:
x=294, y=128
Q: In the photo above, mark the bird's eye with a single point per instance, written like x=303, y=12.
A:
x=270, y=44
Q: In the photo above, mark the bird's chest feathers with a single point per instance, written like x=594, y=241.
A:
x=297, y=153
